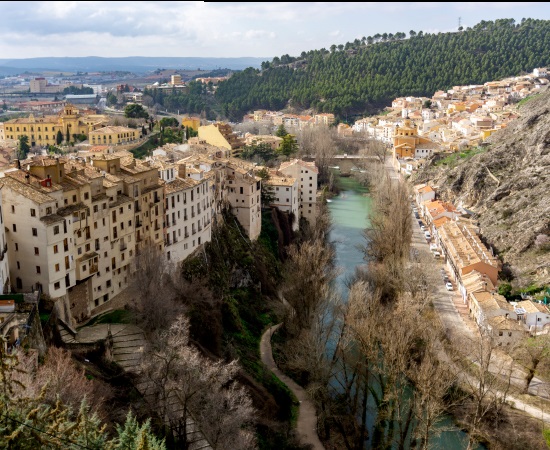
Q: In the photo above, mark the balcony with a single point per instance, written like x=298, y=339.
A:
x=167, y=243
x=139, y=224
x=184, y=217
x=123, y=247
x=186, y=234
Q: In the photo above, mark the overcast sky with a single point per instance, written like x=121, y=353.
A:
x=230, y=29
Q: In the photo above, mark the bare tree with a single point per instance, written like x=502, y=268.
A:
x=184, y=387
x=375, y=148
x=533, y=353
x=154, y=290
x=318, y=143
x=59, y=378
x=487, y=391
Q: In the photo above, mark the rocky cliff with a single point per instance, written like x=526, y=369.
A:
x=507, y=184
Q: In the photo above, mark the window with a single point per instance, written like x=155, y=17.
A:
x=500, y=333
x=34, y=232
x=18, y=265
x=80, y=250
x=241, y=190
x=96, y=208
x=108, y=283
x=14, y=227
x=87, y=247
x=74, y=198
x=36, y=251
x=57, y=267
x=56, y=285
x=56, y=229
x=86, y=195
x=13, y=209
x=37, y=269
x=33, y=212
x=55, y=249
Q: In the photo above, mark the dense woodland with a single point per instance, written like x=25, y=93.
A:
x=365, y=75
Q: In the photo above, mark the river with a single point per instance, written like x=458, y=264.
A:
x=349, y=213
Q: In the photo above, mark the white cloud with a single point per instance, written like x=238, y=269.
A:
x=175, y=28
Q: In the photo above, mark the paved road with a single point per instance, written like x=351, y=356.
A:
x=307, y=417
x=462, y=330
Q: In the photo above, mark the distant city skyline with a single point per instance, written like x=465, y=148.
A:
x=232, y=29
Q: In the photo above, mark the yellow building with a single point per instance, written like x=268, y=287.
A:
x=43, y=130
x=405, y=141
x=191, y=122
x=221, y=135
x=114, y=135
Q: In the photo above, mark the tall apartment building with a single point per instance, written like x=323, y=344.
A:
x=306, y=174
x=5, y=287
x=286, y=195
x=187, y=211
x=74, y=227
x=233, y=183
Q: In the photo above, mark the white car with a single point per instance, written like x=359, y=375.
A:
x=422, y=228
x=449, y=286
x=427, y=235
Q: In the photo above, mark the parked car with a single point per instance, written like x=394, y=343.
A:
x=449, y=286
x=427, y=235
x=422, y=227
x=416, y=215
x=437, y=255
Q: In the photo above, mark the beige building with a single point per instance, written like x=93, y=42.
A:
x=464, y=252
x=187, y=222
x=75, y=226
x=286, y=193
x=306, y=175
x=113, y=135
x=5, y=286
x=243, y=194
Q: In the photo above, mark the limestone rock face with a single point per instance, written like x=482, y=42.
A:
x=508, y=187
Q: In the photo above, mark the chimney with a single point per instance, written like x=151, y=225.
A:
x=181, y=171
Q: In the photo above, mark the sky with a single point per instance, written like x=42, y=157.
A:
x=226, y=29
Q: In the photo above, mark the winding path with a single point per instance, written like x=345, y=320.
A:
x=307, y=418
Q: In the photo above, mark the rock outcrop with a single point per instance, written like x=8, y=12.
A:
x=507, y=185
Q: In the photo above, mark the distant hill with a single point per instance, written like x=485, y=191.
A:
x=363, y=76
x=136, y=64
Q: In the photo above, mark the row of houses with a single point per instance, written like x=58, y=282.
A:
x=475, y=269
x=291, y=121
x=72, y=226
x=450, y=121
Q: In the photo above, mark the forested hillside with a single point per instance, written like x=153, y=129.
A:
x=365, y=75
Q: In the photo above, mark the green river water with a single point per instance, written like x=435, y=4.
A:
x=349, y=212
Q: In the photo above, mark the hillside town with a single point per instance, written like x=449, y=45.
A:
x=75, y=223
